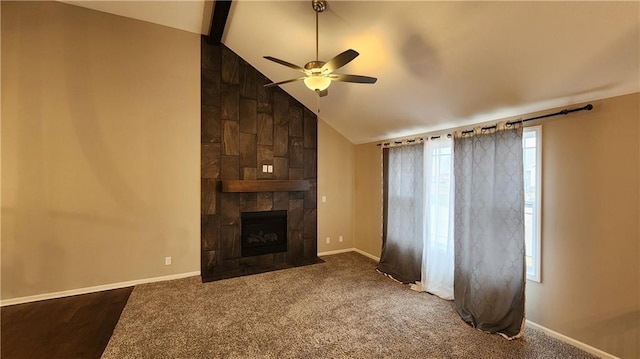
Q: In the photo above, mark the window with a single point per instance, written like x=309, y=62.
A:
x=531, y=147
x=439, y=191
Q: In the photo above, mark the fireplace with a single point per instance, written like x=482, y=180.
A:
x=246, y=126
x=263, y=233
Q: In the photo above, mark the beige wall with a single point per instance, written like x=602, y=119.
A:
x=368, y=199
x=590, y=288
x=100, y=149
x=335, y=182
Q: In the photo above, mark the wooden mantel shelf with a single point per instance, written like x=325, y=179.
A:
x=265, y=186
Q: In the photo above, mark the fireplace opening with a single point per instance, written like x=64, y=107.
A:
x=263, y=233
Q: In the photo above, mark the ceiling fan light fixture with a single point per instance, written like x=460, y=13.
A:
x=320, y=74
x=317, y=82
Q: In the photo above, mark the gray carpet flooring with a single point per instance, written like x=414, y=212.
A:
x=341, y=308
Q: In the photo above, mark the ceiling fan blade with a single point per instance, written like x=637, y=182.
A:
x=288, y=64
x=353, y=78
x=283, y=82
x=322, y=93
x=340, y=60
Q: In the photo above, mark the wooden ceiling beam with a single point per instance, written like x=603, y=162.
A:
x=218, y=21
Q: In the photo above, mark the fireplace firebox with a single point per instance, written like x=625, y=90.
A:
x=263, y=233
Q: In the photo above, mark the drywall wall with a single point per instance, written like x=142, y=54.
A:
x=368, y=199
x=100, y=149
x=590, y=288
x=335, y=183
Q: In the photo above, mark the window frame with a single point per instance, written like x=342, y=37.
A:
x=537, y=230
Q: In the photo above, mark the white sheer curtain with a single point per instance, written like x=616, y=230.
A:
x=437, y=255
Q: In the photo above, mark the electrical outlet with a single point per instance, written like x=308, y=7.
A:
x=328, y=240
x=167, y=261
x=340, y=239
x=324, y=199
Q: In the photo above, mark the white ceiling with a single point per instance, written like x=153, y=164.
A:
x=439, y=64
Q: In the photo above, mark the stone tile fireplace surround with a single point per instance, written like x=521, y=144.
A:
x=243, y=127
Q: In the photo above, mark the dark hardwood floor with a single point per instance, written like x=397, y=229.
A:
x=71, y=327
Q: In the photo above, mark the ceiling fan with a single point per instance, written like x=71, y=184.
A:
x=318, y=74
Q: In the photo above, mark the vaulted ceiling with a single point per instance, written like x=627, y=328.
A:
x=439, y=64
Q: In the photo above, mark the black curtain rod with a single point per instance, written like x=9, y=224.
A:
x=588, y=107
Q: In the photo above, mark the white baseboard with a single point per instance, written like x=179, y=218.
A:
x=366, y=254
x=349, y=250
x=338, y=251
x=98, y=288
x=578, y=344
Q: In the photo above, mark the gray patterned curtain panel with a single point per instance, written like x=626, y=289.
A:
x=489, y=278
x=403, y=169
